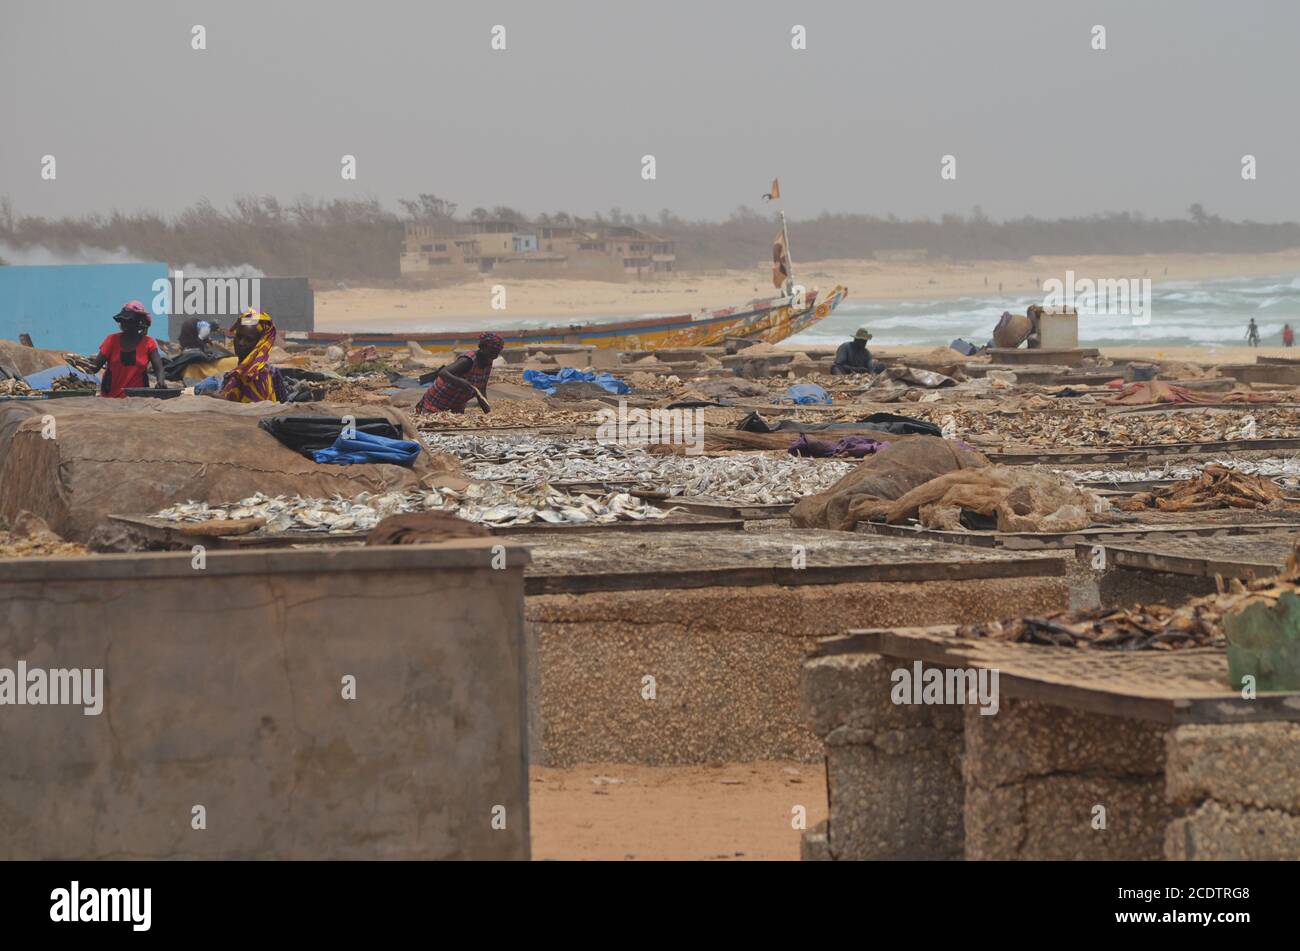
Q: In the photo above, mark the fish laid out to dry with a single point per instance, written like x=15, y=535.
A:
x=488, y=504
x=1095, y=428
x=1195, y=623
x=1152, y=627
x=536, y=459
x=1286, y=470
x=1217, y=487
x=505, y=414
x=15, y=387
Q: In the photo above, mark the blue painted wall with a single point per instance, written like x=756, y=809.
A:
x=71, y=306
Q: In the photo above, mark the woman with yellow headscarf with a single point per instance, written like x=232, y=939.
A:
x=254, y=380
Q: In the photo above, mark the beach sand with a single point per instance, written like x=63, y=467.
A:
x=731, y=811
x=562, y=301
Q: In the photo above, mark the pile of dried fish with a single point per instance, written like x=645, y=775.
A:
x=13, y=545
x=488, y=504
x=1217, y=487
x=1286, y=470
x=753, y=479
x=1153, y=627
x=355, y=390
x=1197, y=623
x=1097, y=428
x=519, y=447
x=71, y=382
x=15, y=386
x=505, y=414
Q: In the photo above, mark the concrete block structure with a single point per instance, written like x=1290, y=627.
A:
x=721, y=632
x=1142, y=756
x=322, y=703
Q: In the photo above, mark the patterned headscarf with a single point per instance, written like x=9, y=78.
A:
x=250, y=381
x=491, y=343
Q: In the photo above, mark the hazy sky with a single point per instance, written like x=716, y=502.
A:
x=1039, y=123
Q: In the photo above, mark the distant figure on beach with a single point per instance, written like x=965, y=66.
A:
x=126, y=355
x=1288, y=336
x=1252, y=333
x=853, y=356
x=463, y=379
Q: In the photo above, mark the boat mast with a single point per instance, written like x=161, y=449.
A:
x=789, y=263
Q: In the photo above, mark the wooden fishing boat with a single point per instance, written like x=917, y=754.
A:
x=764, y=321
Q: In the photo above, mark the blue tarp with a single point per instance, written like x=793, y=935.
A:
x=546, y=382
x=807, y=393
x=364, y=447
x=43, y=379
x=209, y=385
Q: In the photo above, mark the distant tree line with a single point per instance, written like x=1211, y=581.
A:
x=359, y=239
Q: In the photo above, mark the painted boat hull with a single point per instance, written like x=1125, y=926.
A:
x=769, y=321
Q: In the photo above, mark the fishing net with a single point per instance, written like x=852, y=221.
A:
x=910, y=461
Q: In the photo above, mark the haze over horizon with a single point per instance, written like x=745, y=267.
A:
x=1039, y=122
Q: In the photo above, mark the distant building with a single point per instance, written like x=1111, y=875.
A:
x=525, y=248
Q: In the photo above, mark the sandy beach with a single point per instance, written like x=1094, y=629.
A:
x=469, y=304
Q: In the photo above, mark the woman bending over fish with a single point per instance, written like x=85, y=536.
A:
x=463, y=379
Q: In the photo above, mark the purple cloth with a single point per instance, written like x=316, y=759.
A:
x=853, y=447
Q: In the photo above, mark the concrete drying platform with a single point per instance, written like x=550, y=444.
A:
x=1090, y=755
x=1172, y=569
x=1203, y=525
x=225, y=684
x=686, y=648
x=792, y=557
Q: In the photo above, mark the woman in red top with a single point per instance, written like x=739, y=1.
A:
x=124, y=356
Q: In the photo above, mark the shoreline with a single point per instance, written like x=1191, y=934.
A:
x=539, y=301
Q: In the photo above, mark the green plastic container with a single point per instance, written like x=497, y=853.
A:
x=1264, y=642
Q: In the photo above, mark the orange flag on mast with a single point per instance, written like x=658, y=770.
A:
x=775, y=193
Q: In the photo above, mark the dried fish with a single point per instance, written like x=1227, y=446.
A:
x=489, y=504
x=1096, y=428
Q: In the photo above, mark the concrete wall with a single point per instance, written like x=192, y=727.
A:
x=224, y=689
x=71, y=306
x=725, y=661
x=926, y=782
x=289, y=300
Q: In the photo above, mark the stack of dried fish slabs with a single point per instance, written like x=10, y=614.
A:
x=1217, y=487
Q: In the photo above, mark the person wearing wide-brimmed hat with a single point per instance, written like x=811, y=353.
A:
x=126, y=356
x=853, y=355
